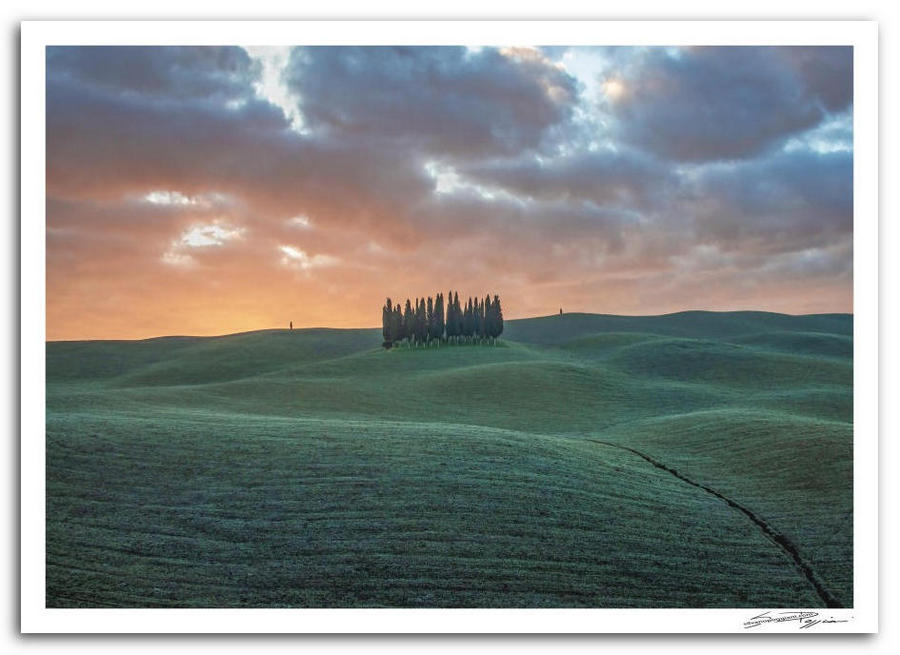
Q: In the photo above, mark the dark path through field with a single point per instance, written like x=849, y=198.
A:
x=770, y=532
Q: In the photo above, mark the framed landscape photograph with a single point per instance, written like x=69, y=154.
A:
x=548, y=326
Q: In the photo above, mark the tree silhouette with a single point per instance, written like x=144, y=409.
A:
x=439, y=316
x=421, y=322
x=480, y=319
x=476, y=311
x=396, y=324
x=457, y=317
x=498, y=317
x=386, y=314
x=436, y=319
x=409, y=322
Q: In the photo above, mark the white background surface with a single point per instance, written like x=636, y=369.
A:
x=634, y=9
x=36, y=35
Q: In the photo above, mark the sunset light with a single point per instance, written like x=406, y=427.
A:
x=259, y=178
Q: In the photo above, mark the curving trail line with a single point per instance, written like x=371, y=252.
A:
x=774, y=535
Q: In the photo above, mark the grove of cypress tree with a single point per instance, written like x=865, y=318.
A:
x=439, y=318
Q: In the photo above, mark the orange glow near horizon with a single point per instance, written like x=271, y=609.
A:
x=214, y=190
x=165, y=300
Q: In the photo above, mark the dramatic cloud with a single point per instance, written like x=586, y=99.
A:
x=723, y=103
x=157, y=73
x=612, y=178
x=446, y=101
x=209, y=190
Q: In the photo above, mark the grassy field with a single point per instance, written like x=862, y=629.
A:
x=690, y=460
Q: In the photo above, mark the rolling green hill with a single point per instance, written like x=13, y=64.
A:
x=698, y=459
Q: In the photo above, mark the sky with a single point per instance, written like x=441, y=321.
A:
x=211, y=190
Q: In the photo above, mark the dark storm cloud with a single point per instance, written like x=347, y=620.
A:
x=700, y=104
x=790, y=199
x=444, y=100
x=608, y=178
x=826, y=73
x=98, y=139
x=157, y=71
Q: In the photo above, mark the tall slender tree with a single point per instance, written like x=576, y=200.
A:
x=415, y=329
x=386, y=315
x=439, y=317
x=498, y=317
x=396, y=324
x=408, y=322
x=488, y=317
x=451, y=313
x=421, y=322
x=457, y=317
x=448, y=328
x=481, y=325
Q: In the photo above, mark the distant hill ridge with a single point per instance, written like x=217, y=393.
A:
x=193, y=360
x=696, y=323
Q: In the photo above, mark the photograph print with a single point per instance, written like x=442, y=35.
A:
x=449, y=327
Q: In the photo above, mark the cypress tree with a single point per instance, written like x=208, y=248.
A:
x=448, y=315
x=481, y=325
x=386, y=314
x=396, y=324
x=421, y=323
x=457, y=317
x=464, y=321
x=429, y=320
x=415, y=328
x=451, y=318
x=488, y=318
x=498, y=317
x=439, y=316
x=408, y=322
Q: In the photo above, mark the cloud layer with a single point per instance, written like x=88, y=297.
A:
x=208, y=190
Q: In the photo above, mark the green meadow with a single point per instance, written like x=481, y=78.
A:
x=696, y=459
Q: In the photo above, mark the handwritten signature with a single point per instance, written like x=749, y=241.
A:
x=805, y=619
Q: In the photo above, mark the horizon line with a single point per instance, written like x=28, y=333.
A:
x=508, y=320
